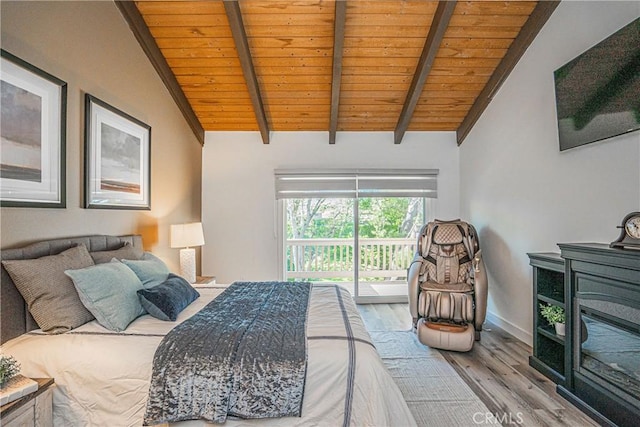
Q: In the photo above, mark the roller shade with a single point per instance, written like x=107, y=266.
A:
x=300, y=184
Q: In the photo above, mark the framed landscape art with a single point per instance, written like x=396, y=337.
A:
x=33, y=136
x=117, y=158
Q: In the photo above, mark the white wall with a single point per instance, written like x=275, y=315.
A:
x=238, y=193
x=518, y=189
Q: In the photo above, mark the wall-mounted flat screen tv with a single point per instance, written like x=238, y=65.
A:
x=598, y=93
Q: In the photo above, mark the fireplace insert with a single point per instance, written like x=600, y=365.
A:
x=609, y=347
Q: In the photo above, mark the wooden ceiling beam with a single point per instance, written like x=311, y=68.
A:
x=530, y=29
x=232, y=9
x=439, y=26
x=336, y=78
x=140, y=30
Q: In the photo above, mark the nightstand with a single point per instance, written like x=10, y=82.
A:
x=34, y=409
x=208, y=282
x=205, y=280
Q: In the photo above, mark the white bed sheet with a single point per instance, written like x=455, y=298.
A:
x=102, y=378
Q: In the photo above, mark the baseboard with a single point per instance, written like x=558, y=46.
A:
x=509, y=327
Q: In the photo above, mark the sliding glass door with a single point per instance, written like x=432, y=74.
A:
x=358, y=230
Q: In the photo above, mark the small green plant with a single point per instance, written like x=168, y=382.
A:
x=9, y=367
x=552, y=313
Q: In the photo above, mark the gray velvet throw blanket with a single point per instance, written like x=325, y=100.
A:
x=242, y=355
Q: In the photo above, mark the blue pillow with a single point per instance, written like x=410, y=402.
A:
x=151, y=270
x=108, y=291
x=166, y=300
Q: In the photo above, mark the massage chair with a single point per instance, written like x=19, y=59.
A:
x=448, y=286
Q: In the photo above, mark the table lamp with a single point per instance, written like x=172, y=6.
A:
x=187, y=236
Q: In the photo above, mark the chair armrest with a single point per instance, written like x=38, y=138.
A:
x=413, y=275
x=481, y=290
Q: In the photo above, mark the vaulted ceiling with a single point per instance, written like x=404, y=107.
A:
x=318, y=65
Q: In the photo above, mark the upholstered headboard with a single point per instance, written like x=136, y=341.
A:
x=14, y=315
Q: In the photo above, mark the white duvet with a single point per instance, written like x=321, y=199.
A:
x=102, y=378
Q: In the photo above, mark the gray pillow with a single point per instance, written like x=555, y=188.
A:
x=49, y=293
x=166, y=300
x=151, y=270
x=125, y=252
x=109, y=293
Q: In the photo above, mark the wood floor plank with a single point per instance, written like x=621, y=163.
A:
x=389, y=317
x=508, y=353
x=372, y=320
x=495, y=406
x=523, y=392
x=403, y=316
x=497, y=370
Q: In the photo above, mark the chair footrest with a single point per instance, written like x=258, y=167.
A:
x=446, y=336
x=446, y=327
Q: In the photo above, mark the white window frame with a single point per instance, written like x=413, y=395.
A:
x=338, y=186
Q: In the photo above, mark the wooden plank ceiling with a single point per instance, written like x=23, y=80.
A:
x=270, y=65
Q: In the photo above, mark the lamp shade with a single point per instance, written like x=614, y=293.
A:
x=187, y=235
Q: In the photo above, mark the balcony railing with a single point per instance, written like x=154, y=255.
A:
x=380, y=259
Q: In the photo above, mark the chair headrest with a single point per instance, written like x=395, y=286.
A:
x=447, y=234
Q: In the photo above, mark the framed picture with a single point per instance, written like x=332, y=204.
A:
x=33, y=136
x=117, y=158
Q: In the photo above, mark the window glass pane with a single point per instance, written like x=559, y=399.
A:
x=391, y=217
x=319, y=240
x=388, y=229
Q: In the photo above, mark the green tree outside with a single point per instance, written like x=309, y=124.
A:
x=380, y=218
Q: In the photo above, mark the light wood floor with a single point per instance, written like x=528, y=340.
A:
x=497, y=370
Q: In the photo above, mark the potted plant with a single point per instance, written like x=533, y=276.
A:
x=9, y=368
x=555, y=316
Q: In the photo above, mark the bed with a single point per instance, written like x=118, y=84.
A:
x=103, y=377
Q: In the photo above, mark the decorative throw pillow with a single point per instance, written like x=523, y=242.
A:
x=151, y=270
x=109, y=293
x=166, y=300
x=50, y=295
x=127, y=251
